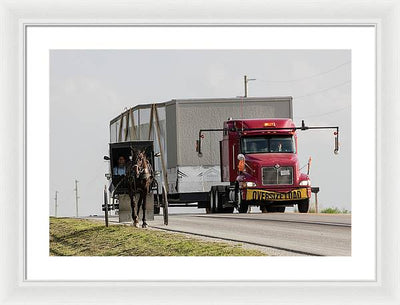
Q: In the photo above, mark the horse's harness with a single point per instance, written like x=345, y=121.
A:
x=140, y=170
x=143, y=167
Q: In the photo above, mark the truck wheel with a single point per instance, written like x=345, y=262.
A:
x=211, y=207
x=270, y=209
x=217, y=202
x=242, y=207
x=303, y=206
x=228, y=210
x=263, y=209
x=280, y=209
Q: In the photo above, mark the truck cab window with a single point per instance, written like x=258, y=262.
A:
x=268, y=144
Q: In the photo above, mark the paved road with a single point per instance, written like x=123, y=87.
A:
x=286, y=233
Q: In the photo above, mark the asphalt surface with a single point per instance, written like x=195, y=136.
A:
x=278, y=234
x=275, y=233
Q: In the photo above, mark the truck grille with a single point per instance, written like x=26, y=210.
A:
x=281, y=175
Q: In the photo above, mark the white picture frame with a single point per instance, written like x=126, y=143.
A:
x=386, y=290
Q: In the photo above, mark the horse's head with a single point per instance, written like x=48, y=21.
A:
x=142, y=166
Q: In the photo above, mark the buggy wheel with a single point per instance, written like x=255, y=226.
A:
x=165, y=205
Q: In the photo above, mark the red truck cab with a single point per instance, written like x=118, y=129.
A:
x=271, y=178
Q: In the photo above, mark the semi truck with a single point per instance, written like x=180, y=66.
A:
x=259, y=161
x=210, y=178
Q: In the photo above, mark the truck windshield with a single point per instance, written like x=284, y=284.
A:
x=268, y=144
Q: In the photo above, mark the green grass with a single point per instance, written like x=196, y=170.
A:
x=78, y=237
x=335, y=211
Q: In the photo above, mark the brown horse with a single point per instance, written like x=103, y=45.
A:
x=139, y=175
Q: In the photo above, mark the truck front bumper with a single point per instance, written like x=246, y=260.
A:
x=266, y=196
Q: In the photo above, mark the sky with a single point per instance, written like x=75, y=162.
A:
x=90, y=87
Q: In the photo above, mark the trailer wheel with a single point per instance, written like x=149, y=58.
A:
x=303, y=205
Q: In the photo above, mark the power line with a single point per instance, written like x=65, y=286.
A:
x=95, y=176
x=323, y=90
x=325, y=113
x=307, y=77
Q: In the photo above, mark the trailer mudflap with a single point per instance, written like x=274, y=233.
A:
x=262, y=195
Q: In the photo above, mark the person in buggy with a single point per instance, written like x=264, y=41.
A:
x=120, y=169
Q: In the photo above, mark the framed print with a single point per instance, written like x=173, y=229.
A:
x=36, y=46
x=193, y=44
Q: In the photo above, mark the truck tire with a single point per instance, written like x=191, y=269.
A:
x=211, y=208
x=280, y=209
x=270, y=209
x=228, y=210
x=217, y=202
x=242, y=207
x=263, y=209
x=303, y=205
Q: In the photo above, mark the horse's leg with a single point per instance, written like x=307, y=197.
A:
x=139, y=202
x=135, y=218
x=143, y=203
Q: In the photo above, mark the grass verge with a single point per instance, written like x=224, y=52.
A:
x=335, y=211
x=79, y=237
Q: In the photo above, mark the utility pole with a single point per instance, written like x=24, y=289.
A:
x=246, y=81
x=245, y=86
x=76, y=196
x=55, y=204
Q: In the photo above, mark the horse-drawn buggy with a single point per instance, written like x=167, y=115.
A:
x=133, y=186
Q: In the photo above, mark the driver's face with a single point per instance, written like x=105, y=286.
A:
x=121, y=161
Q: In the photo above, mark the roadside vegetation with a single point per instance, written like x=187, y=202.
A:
x=330, y=210
x=78, y=237
x=334, y=210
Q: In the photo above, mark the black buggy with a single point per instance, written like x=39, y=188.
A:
x=118, y=183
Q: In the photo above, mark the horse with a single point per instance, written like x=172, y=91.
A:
x=139, y=175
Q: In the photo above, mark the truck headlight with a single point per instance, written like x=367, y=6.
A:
x=305, y=183
x=250, y=184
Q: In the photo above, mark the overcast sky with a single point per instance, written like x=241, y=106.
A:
x=90, y=87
